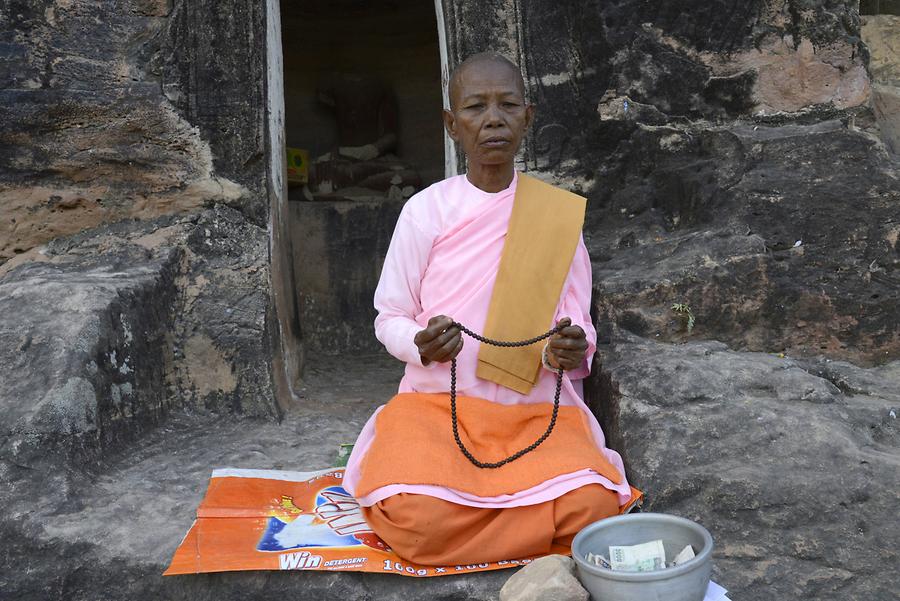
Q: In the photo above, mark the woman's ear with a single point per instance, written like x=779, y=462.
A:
x=450, y=125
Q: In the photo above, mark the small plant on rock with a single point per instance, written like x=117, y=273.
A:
x=684, y=313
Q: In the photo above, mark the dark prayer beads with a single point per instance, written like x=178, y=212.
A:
x=501, y=343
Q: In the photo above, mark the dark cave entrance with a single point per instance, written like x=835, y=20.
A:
x=362, y=132
x=367, y=76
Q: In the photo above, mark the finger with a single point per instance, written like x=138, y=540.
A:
x=433, y=348
x=572, y=332
x=437, y=319
x=567, y=359
x=576, y=362
x=571, y=359
x=564, y=364
x=445, y=352
x=437, y=325
x=458, y=349
x=568, y=344
x=564, y=322
x=451, y=335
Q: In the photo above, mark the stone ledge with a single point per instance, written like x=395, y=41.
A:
x=102, y=333
x=83, y=353
x=790, y=463
x=109, y=532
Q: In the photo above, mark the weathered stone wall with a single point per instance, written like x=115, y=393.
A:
x=112, y=112
x=84, y=354
x=113, y=328
x=211, y=65
x=339, y=248
x=880, y=33
x=698, y=60
x=565, y=59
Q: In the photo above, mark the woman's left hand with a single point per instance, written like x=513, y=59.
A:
x=567, y=347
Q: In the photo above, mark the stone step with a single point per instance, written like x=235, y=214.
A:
x=108, y=532
x=83, y=352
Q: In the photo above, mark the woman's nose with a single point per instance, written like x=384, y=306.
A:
x=494, y=116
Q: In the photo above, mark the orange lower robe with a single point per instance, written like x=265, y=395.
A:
x=414, y=444
x=432, y=531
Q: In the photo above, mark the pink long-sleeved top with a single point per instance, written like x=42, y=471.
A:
x=443, y=260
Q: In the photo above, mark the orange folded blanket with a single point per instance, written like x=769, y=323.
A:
x=414, y=444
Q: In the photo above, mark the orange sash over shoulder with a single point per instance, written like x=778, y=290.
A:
x=414, y=444
x=543, y=233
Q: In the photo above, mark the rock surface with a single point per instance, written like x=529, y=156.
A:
x=108, y=530
x=551, y=577
x=107, y=331
x=792, y=464
x=99, y=123
x=879, y=32
x=334, y=292
x=84, y=354
x=753, y=230
x=772, y=420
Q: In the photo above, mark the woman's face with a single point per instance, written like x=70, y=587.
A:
x=488, y=116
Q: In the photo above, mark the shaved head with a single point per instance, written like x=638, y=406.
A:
x=481, y=59
x=488, y=117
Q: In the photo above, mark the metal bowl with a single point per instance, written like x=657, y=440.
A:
x=685, y=582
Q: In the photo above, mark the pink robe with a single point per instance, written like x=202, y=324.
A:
x=443, y=260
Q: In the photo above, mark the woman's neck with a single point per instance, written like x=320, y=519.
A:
x=491, y=178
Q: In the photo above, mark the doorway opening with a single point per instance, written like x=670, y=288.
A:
x=362, y=84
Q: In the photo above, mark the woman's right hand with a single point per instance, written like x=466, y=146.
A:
x=439, y=341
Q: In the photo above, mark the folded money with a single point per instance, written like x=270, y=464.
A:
x=598, y=560
x=683, y=555
x=645, y=557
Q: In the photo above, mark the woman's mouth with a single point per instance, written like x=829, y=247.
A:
x=495, y=142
